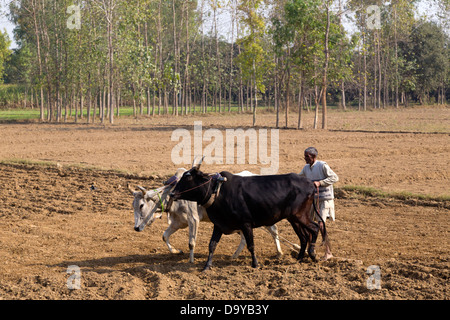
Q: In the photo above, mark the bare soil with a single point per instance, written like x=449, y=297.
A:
x=50, y=218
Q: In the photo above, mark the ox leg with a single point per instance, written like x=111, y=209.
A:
x=307, y=234
x=314, y=228
x=302, y=236
x=240, y=247
x=166, y=235
x=248, y=234
x=215, y=238
x=306, y=229
x=274, y=232
x=193, y=228
x=303, y=243
x=310, y=231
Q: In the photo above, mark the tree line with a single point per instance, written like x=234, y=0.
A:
x=88, y=59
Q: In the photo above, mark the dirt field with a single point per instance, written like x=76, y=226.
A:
x=50, y=218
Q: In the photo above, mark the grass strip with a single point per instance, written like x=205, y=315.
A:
x=402, y=195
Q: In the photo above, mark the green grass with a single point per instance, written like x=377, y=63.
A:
x=403, y=195
x=20, y=114
x=27, y=162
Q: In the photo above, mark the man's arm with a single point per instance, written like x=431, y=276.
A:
x=331, y=177
x=302, y=173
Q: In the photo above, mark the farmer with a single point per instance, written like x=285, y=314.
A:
x=324, y=178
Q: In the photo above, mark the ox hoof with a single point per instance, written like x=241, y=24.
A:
x=312, y=256
x=176, y=251
x=326, y=257
x=207, y=267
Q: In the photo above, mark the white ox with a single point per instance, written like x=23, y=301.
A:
x=150, y=205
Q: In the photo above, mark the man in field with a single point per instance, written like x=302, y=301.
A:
x=324, y=178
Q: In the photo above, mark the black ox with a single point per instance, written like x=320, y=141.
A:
x=243, y=203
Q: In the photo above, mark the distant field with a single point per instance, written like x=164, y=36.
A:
x=389, y=150
x=427, y=119
x=21, y=114
x=392, y=210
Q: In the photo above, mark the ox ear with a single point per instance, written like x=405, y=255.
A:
x=151, y=196
x=171, y=181
x=179, y=173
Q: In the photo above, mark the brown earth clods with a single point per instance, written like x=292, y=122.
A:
x=56, y=216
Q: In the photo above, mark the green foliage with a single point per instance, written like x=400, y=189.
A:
x=430, y=51
x=11, y=95
x=253, y=57
x=152, y=50
x=5, y=52
x=19, y=66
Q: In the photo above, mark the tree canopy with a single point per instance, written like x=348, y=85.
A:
x=88, y=58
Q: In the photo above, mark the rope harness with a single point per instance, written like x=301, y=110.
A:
x=160, y=200
x=196, y=187
x=220, y=180
x=216, y=177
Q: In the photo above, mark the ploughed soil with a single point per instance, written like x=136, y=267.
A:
x=78, y=213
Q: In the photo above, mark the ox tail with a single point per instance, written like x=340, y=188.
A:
x=323, y=229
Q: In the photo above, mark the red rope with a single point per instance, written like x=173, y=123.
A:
x=197, y=186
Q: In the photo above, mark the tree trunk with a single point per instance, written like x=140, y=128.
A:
x=233, y=14
x=256, y=93
x=379, y=68
x=396, y=57
x=325, y=69
x=316, y=111
x=365, y=73
x=276, y=100
x=38, y=47
x=300, y=103
x=175, y=52
x=288, y=82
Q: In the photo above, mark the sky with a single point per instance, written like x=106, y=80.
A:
x=224, y=22
x=5, y=23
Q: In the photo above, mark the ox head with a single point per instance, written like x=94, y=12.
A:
x=193, y=185
x=149, y=205
x=146, y=205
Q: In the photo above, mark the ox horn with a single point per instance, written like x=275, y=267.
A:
x=143, y=190
x=129, y=188
x=197, y=165
x=194, y=163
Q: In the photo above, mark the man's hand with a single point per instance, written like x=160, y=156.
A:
x=316, y=184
